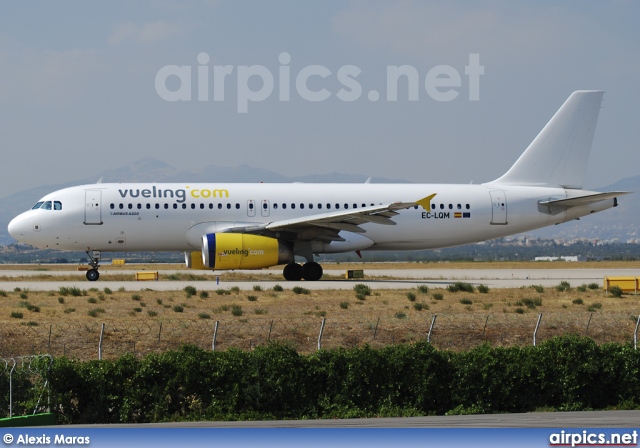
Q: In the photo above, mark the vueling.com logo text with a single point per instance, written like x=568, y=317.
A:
x=254, y=83
x=179, y=194
x=242, y=252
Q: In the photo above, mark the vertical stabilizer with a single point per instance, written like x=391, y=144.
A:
x=558, y=156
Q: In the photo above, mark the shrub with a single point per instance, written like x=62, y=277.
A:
x=23, y=295
x=190, y=291
x=95, y=312
x=204, y=294
x=582, y=288
x=252, y=298
x=60, y=299
x=411, y=296
x=593, y=286
x=70, y=291
x=108, y=291
x=260, y=311
x=17, y=315
x=361, y=296
x=69, y=310
x=136, y=297
x=236, y=310
x=538, y=288
x=223, y=292
x=519, y=310
x=92, y=300
x=423, y=289
x=563, y=286
x=3, y=293
x=483, y=289
x=361, y=288
x=460, y=286
x=420, y=306
x=577, y=301
x=257, y=288
x=152, y=313
x=178, y=308
x=278, y=288
x=138, y=310
x=344, y=305
x=438, y=296
x=615, y=291
x=400, y=315
x=204, y=316
x=235, y=289
x=300, y=290
x=466, y=301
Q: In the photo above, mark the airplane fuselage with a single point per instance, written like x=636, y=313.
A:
x=173, y=217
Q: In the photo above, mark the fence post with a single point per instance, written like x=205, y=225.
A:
x=635, y=334
x=159, y=332
x=375, y=331
x=100, y=344
x=321, y=332
x=215, y=335
x=587, y=329
x=433, y=322
x=485, y=326
x=535, y=332
x=13, y=367
x=270, y=328
x=49, y=346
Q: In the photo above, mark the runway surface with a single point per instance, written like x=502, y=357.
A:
x=375, y=278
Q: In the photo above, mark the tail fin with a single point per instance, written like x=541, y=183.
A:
x=558, y=156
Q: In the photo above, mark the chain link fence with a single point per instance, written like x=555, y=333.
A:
x=109, y=340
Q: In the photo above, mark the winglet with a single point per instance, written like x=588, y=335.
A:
x=425, y=202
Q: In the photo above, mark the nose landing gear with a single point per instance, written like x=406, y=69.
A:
x=94, y=262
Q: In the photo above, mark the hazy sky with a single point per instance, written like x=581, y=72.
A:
x=79, y=86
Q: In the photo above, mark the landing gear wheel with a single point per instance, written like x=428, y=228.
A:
x=312, y=271
x=292, y=272
x=93, y=275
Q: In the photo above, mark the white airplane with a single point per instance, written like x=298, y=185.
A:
x=252, y=226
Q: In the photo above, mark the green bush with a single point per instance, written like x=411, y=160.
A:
x=344, y=305
x=190, y=291
x=411, y=296
x=538, y=288
x=438, y=296
x=615, y=291
x=278, y=288
x=460, y=286
x=424, y=289
x=252, y=298
x=257, y=288
x=204, y=294
x=362, y=289
x=483, y=289
x=563, y=286
x=300, y=290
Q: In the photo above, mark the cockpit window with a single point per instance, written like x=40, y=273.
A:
x=38, y=205
x=46, y=205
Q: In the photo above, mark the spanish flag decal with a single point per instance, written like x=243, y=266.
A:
x=457, y=215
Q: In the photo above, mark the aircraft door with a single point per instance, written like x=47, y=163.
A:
x=498, y=207
x=264, y=209
x=93, y=207
x=251, y=208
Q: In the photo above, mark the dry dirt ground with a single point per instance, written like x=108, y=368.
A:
x=72, y=322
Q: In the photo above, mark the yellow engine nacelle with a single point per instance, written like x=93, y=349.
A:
x=243, y=251
x=193, y=260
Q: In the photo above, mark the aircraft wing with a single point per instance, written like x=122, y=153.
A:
x=331, y=223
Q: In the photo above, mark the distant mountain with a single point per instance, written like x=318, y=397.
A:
x=151, y=170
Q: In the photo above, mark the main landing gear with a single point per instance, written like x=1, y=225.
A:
x=94, y=257
x=310, y=271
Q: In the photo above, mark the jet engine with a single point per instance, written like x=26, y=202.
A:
x=243, y=251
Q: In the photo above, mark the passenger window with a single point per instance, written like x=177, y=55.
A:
x=184, y=206
x=346, y=206
x=433, y=206
x=459, y=206
x=250, y=205
x=337, y=206
x=328, y=206
x=112, y=206
x=293, y=206
x=441, y=206
x=284, y=206
x=467, y=206
x=139, y=206
x=219, y=206
x=210, y=206
x=157, y=206
x=201, y=206
x=38, y=205
x=264, y=206
x=166, y=206
x=175, y=206
x=130, y=206
x=450, y=206
x=237, y=206
x=310, y=206
x=320, y=206
x=275, y=206
x=57, y=205
x=301, y=206
x=228, y=206
x=120, y=206
x=355, y=205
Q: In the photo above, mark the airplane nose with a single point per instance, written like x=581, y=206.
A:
x=17, y=228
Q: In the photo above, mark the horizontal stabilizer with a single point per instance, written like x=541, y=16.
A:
x=583, y=200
